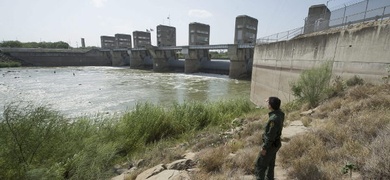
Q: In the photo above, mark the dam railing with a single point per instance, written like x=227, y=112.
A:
x=341, y=16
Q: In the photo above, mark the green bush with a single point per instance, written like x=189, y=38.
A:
x=28, y=138
x=313, y=84
x=39, y=143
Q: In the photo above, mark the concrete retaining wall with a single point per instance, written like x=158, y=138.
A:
x=47, y=57
x=362, y=50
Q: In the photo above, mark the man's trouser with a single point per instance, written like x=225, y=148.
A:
x=265, y=164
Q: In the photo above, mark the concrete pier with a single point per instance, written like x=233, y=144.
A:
x=194, y=59
x=120, y=57
x=240, y=62
x=161, y=58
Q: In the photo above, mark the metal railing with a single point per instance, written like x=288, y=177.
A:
x=216, y=46
x=361, y=11
x=283, y=36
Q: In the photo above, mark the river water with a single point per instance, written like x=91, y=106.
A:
x=79, y=91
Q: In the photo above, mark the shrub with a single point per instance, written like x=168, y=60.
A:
x=313, y=84
x=211, y=160
x=39, y=143
x=338, y=86
x=28, y=135
x=304, y=155
x=306, y=169
x=355, y=80
x=291, y=106
x=306, y=121
x=297, y=148
x=253, y=132
x=378, y=164
x=254, y=140
x=243, y=160
x=235, y=145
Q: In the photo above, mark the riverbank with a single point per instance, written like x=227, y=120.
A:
x=8, y=61
x=204, y=141
x=339, y=139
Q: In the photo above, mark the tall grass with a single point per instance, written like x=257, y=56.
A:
x=149, y=123
x=39, y=143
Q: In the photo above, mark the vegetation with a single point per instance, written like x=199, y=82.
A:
x=52, y=45
x=219, y=55
x=7, y=61
x=313, y=84
x=39, y=143
x=4, y=64
x=349, y=132
x=348, y=127
x=212, y=55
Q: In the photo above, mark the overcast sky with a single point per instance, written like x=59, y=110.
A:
x=71, y=20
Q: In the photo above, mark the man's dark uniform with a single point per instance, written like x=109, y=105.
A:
x=271, y=143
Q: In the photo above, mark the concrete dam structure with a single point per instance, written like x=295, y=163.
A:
x=118, y=51
x=197, y=59
x=159, y=59
x=360, y=49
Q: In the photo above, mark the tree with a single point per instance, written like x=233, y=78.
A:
x=11, y=44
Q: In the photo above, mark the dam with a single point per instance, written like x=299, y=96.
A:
x=118, y=51
x=359, y=48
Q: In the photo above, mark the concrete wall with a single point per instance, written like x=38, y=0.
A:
x=362, y=50
x=51, y=57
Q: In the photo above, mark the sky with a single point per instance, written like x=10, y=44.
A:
x=71, y=20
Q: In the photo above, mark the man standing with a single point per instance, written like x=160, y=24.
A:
x=265, y=163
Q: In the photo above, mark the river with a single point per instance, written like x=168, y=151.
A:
x=80, y=91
